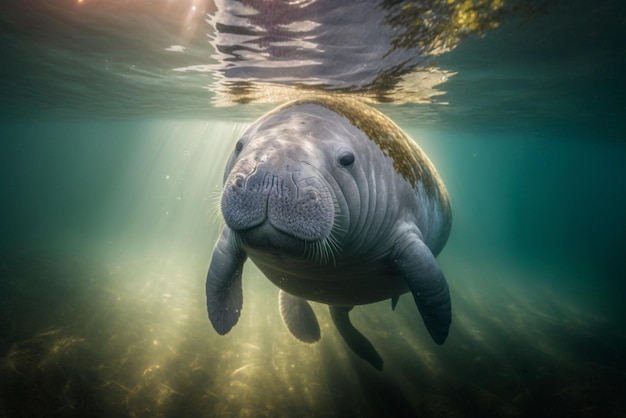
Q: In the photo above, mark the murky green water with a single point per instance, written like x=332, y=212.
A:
x=109, y=214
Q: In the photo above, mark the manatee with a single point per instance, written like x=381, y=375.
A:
x=335, y=204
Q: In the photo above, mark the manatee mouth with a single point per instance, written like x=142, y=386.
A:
x=302, y=209
x=267, y=238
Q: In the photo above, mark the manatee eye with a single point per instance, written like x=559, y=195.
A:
x=346, y=159
x=239, y=146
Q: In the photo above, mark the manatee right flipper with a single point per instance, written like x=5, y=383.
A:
x=224, y=298
x=355, y=340
x=414, y=260
x=299, y=317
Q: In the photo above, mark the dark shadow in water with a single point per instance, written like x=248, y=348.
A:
x=49, y=367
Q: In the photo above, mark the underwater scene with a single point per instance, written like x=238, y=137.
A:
x=118, y=119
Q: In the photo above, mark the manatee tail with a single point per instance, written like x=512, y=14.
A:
x=355, y=340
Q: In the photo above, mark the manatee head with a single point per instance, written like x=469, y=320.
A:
x=281, y=185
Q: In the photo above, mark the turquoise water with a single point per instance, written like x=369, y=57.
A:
x=110, y=169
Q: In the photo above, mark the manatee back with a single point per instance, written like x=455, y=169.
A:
x=409, y=161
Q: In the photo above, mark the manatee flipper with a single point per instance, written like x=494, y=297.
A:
x=224, y=297
x=299, y=317
x=394, y=302
x=355, y=340
x=427, y=284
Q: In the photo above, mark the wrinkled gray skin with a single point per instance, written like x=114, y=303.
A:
x=322, y=212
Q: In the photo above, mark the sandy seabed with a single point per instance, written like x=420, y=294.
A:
x=131, y=339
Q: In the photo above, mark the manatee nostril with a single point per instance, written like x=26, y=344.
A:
x=238, y=182
x=310, y=196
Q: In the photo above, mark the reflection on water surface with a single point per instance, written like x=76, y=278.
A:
x=381, y=50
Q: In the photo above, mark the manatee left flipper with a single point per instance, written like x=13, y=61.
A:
x=427, y=284
x=224, y=298
x=299, y=317
x=355, y=340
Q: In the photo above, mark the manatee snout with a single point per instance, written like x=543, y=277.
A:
x=295, y=203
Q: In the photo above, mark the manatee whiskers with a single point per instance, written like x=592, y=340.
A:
x=322, y=251
x=215, y=207
x=325, y=251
